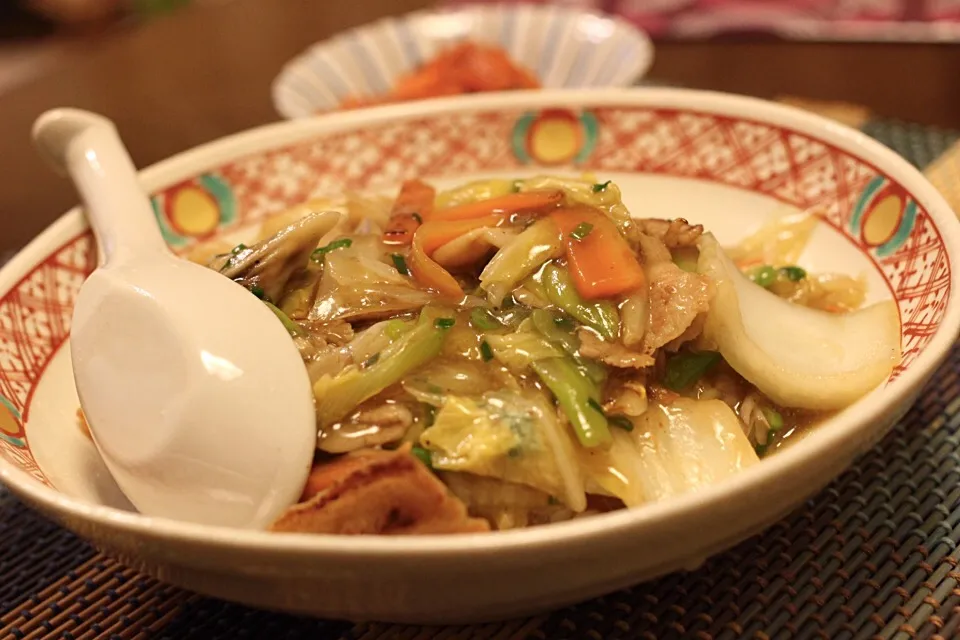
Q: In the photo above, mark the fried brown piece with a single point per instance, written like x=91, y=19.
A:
x=380, y=493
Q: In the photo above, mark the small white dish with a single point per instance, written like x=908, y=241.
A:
x=727, y=162
x=563, y=47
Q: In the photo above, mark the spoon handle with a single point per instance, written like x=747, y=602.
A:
x=87, y=147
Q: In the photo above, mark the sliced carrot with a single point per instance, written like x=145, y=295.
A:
x=413, y=204
x=486, y=68
x=529, y=201
x=463, y=68
x=600, y=261
x=525, y=79
x=439, y=77
x=436, y=233
x=433, y=235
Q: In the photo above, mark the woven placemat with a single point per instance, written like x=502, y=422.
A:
x=872, y=556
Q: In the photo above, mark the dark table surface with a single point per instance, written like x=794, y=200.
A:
x=205, y=72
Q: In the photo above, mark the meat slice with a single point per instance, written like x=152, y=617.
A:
x=677, y=297
x=674, y=234
x=377, y=493
x=612, y=353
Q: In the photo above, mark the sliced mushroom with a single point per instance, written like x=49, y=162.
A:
x=369, y=428
x=628, y=397
x=272, y=263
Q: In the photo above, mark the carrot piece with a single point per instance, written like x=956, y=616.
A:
x=524, y=79
x=502, y=205
x=487, y=68
x=436, y=233
x=600, y=261
x=413, y=204
x=438, y=77
x=433, y=235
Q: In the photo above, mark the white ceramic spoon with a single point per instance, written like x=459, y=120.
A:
x=196, y=396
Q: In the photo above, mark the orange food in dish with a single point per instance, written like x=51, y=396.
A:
x=468, y=67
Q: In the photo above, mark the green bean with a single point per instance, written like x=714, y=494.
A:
x=545, y=322
x=764, y=276
x=560, y=290
x=793, y=274
x=577, y=397
x=549, y=324
x=336, y=398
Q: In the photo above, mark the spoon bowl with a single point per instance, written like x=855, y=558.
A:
x=195, y=394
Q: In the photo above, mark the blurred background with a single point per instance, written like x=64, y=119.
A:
x=177, y=73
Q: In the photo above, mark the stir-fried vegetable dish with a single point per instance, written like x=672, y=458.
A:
x=467, y=67
x=512, y=353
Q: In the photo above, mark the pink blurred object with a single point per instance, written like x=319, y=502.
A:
x=905, y=20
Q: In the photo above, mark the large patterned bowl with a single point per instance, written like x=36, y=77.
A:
x=723, y=161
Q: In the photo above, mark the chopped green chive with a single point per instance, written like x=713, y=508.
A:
x=774, y=419
x=372, y=360
x=417, y=217
x=509, y=302
x=483, y=320
x=595, y=405
x=257, y=290
x=515, y=187
x=684, y=369
x=444, y=323
x=400, y=263
x=342, y=243
x=423, y=455
x=485, y=351
x=621, y=421
x=761, y=449
x=764, y=276
x=794, y=274
x=600, y=186
x=581, y=231
x=237, y=249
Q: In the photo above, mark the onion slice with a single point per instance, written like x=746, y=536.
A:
x=799, y=357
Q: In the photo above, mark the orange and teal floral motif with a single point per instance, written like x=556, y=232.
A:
x=194, y=209
x=555, y=137
x=11, y=428
x=884, y=216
